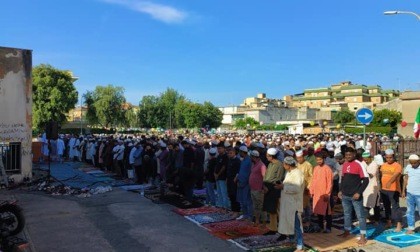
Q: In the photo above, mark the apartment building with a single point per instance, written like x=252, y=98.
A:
x=342, y=95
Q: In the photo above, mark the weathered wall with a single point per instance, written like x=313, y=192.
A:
x=16, y=102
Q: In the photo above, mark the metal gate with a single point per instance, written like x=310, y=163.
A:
x=10, y=154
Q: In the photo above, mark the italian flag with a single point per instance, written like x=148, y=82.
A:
x=416, y=127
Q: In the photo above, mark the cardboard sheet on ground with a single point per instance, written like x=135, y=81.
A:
x=197, y=210
x=331, y=241
x=209, y=217
x=259, y=242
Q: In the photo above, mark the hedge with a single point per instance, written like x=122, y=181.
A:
x=35, y=132
x=377, y=129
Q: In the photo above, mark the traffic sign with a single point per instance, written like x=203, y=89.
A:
x=364, y=115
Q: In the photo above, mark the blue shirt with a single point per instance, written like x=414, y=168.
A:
x=137, y=156
x=413, y=184
x=244, y=171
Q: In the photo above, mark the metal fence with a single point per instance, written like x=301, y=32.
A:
x=10, y=154
x=403, y=149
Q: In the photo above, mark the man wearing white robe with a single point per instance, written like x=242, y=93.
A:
x=291, y=203
x=371, y=193
x=71, y=147
x=60, y=149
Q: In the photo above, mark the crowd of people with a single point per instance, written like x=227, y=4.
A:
x=275, y=180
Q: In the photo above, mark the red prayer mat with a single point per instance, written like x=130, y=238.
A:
x=239, y=232
x=197, y=210
x=227, y=225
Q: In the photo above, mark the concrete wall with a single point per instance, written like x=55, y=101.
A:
x=408, y=103
x=16, y=103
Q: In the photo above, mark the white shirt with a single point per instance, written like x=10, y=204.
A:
x=118, y=152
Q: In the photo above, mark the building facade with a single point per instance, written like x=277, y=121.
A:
x=408, y=104
x=343, y=95
x=263, y=110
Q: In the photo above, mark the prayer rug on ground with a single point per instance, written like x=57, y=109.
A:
x=154, y=197
x=94, y=171
x=102, y=174
x=227, y=225
x=285, y=248
x=372, y=231
x=209, y=217
x=122, y=183
x=331, y=241
x=198, y=210
x=399, y=239
x=239, y=232
x=200, y=192
x=178, y=201
x=337, y=221
x=104, y=179
x=259, y=242
x=90, y=170
x=131, y=187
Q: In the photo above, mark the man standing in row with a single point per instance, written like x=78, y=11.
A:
x=412, y=184
x=390, y=193
x=353, y=183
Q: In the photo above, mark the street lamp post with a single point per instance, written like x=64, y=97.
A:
x=402, y=12
x=81, y=121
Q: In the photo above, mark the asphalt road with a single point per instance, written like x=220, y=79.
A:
x=113, y=221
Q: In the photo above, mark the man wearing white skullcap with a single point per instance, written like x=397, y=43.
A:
x=391, y=190
x=274, y=174
x=256, y=185
x=306, y=168
x=412, y=184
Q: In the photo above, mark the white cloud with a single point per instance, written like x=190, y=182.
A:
x=164, y=13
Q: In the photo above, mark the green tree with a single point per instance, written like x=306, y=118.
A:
x=344, y=116
x=172, y=110
x=243, y=123
x=159, y=111
x=53, y=93
x=167, y=102
x=148, y=110
x=90, y=116
x=106, y=102
x=394, y=117
x=211, y=115
x=132, y=119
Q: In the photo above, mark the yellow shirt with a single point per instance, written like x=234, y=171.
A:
x=307, y=169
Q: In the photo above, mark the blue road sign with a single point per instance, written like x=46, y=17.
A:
x=364, y=115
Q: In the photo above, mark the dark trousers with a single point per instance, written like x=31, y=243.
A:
x=376, y=215
x=232, y=190
x=391, y=202
x=327, y=217
x=188, y=183
x=140, y=173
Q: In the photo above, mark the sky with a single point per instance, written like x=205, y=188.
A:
x=220, y=51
